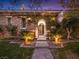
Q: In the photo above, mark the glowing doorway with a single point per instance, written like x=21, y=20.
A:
x=41, y=28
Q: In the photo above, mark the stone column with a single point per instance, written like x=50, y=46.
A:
x=36, y=33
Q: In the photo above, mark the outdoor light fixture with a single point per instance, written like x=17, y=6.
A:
x=53, y=18
x=57, y=39
x=29, y=18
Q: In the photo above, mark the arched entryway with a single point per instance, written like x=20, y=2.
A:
x=41, y=28
x=41, y=34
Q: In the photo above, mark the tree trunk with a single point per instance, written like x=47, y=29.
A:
x=68, y=33
x=78, y=35
x=77, y=32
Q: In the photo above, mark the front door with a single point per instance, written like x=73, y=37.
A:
x=41, y=29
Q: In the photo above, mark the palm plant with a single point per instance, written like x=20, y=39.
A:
x=12, y=29
x=69, y=24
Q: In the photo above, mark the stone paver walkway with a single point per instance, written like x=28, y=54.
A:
x=41, y=42
x=42, y=53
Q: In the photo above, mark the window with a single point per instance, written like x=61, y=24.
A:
x=9, y=21
x=23, y=22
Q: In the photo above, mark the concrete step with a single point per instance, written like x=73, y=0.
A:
x=41, y=44
x=41, y=41
x=41, y=38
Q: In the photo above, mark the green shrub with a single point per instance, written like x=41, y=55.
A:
x=13, y=51
x=1, y=28
x=12, y=29
x=74, y=47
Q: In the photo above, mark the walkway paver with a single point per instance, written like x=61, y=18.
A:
x=42, y=53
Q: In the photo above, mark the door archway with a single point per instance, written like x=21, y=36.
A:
x=41, y=27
